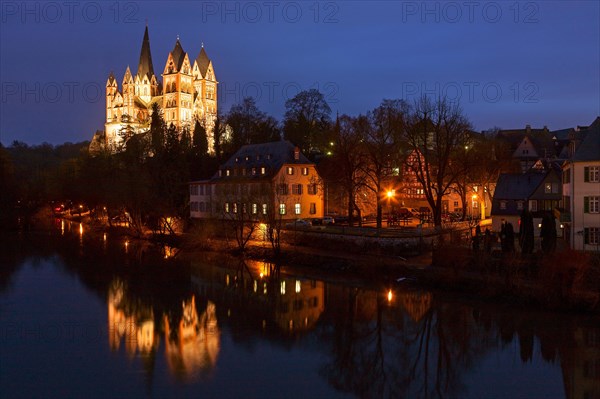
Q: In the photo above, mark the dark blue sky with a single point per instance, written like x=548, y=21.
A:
x=509, y=63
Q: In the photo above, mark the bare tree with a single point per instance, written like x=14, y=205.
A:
x=350, y=158
x=436, y=133
x=382, y=132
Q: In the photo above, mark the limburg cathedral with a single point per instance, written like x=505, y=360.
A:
x=188, y=93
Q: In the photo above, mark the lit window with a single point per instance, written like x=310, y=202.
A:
x=253, y=171
x=227, y=207
x=282, y=290
x=305, y=171
x=547, y=188
x=264, y=209
x=282, y=209
x=297, y=209
x=254, y=209
x=235, y=207
x=290, y=170
x=298, y=286
x=227, y=172
x=263, y=170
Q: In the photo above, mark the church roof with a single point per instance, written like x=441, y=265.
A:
x=178, y=55
x=203, y=61
x=145, y=67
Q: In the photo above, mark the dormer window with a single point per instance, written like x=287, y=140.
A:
x=290, y=170
x=237, y=159
x=253, y=171
x=247, y=157
x=227, y=172
x=268, y=156
x=305, y=171
x=263, y=170
x=258, y=157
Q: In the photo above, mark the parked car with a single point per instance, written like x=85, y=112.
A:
x=327, y=220
x=299, y=224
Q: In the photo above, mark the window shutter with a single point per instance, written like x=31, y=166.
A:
x=586, y=235
x=586, y=174
x=586, y=204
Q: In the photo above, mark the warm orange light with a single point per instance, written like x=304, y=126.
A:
x=390, y=296
x=390, y=193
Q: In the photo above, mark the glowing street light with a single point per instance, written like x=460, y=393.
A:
x=390, y=193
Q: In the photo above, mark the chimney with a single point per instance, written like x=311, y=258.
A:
x=296, y=153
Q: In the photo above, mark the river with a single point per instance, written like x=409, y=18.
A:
x=91, y=315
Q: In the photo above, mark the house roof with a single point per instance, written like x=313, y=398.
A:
x=272, y=155
x=517, y=186
x=589, y=149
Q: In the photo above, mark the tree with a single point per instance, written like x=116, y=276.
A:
x=350, y=158
x=199, y=140
x=307, y=121
x=157, y=129
x=249, y=125
x=526, y=237
x=383, y=131
x=548, y=233
x=435, y=133
x=218, y=133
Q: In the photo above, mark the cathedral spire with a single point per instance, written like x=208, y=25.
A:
x=145, y=67
x=203, y=61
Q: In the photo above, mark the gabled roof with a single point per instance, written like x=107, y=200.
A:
x=145, y=67
x=272, y=155
x=562, y=134
x=178, y=55
x=203, y=62
x=589, y=149
x=517, y=186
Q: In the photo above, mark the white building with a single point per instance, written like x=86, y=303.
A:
x=581, y=190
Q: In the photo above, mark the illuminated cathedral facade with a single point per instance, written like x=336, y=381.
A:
x=187, y=93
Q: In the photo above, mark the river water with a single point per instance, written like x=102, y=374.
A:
x=88, y=315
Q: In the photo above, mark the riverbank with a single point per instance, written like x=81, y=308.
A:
x=566, y=281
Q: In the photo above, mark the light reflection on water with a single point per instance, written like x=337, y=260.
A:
x=124, y=319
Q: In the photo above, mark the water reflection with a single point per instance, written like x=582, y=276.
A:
x=360, y=341
x=192, y=345
x=192, y=341
x=129, y=322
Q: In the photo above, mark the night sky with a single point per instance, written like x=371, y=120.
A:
x=509, y=64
